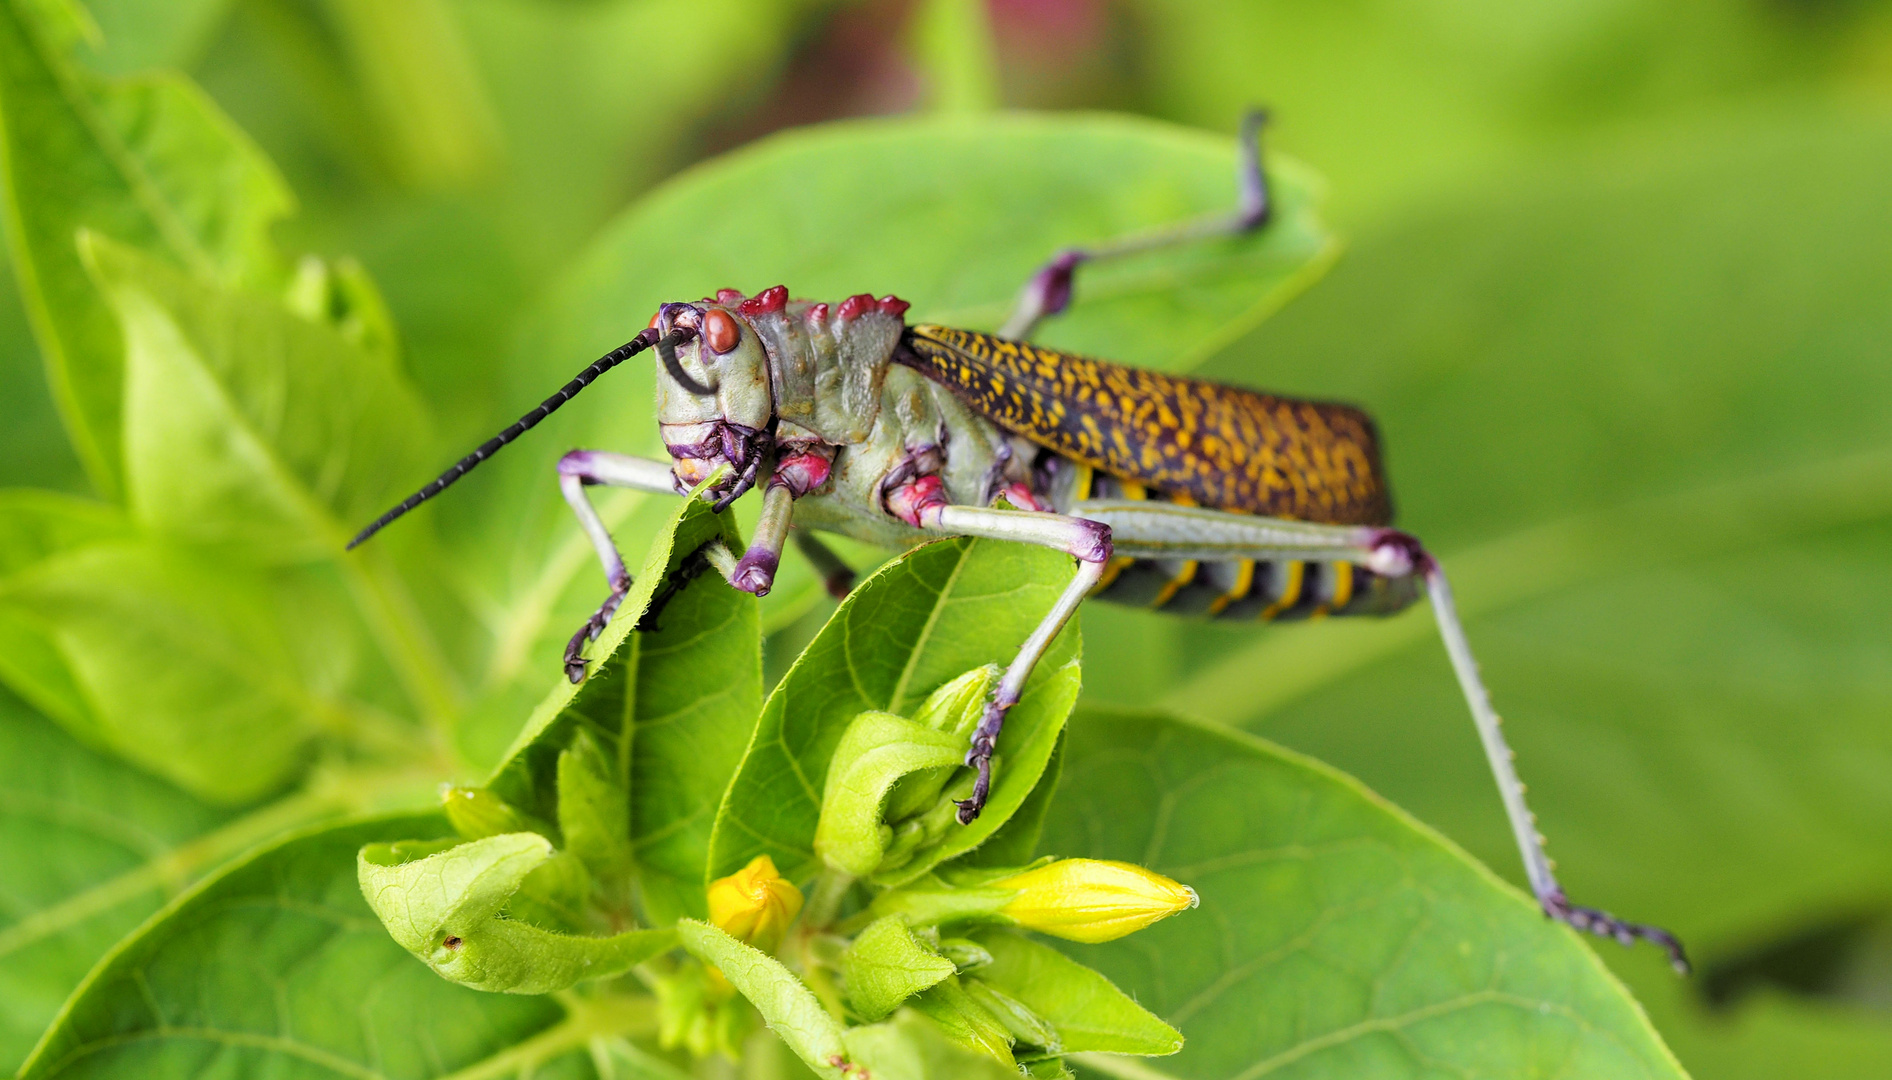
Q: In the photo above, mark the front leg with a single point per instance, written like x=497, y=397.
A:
x=1088, y=542
x=577, y=471
x=801, y=466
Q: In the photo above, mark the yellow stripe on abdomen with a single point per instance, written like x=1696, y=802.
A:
x=1296, y=572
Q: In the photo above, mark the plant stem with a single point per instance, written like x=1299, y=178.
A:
x=830, y=889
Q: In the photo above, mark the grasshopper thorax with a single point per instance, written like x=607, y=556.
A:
x=764, y=368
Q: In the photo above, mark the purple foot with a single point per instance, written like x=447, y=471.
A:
x=1603, y=924
x=575, y=663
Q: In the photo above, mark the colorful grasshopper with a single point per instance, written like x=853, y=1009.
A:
x=1169, y=492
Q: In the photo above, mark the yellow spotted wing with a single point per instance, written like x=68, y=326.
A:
x=1220, y=446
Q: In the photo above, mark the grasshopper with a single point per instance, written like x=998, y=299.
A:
x=1169, y=492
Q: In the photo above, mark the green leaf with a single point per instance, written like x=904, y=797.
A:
x=911, y=1047
x=875, y=752
x=90, y=847
x=36, y=526
x=149, y=161
x=1662, y=497
x=921, y=620
x=444, y=907
x=964, y=1020
x=670, y=707
x=246, y=425
x=594, y=810
x=178, y=663
x=1085, y=1010
x=1336, y=935
x=276, y=966
x=791, y=1010
x=886, y=965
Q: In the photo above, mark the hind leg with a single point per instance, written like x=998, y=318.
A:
x=1049, y=291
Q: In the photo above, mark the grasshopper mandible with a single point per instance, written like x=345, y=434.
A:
x=1169, y=492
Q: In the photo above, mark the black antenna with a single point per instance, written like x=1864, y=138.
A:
x=664, y=343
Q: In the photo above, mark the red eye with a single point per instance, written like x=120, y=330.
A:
x=720, y=330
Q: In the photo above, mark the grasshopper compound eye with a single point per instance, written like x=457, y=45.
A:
x=720, y=331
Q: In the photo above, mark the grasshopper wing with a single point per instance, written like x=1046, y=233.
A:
x=1220, y=446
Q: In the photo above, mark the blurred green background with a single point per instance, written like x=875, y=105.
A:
x=1618, y=286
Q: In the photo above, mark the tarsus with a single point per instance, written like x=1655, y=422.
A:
x=648, y=338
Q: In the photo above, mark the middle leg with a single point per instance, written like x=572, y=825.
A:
x=1088, y=542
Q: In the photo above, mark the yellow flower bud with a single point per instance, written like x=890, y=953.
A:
x=755, y=904
x=1092, y=900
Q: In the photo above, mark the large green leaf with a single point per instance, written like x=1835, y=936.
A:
x=927, y=617
x=673, y=704
x=148, y=161
x=277, y=967
x=1336, y=935
x=90, y=847
x=1662, y=494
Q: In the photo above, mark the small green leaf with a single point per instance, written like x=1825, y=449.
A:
x=1025, y=1025
x=594, y=811
x=911, y=1047
x=1082, y=1007
x=35, y=527
x=248, y=426
x=150, y=161
x=920, y=621
x=669, y=709
x=593, y=808
x=179, y=663
x=790, y=1009
x=886, y=965
x=477, y=813
x=955, y=709
x=877, y=750
x=964, y=1020
x=444, y=908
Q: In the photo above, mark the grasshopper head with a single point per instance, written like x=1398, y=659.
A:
x=713, y=399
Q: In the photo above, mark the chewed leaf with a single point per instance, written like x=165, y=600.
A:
x=444, y=908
